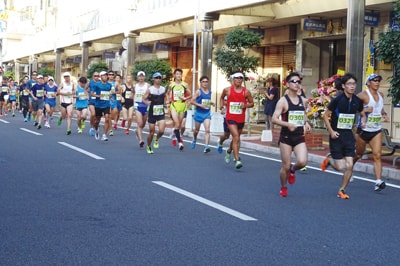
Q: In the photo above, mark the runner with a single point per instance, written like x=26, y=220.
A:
x=155, y=98
x=238, y=99
x=50, y=100
x=4, y=97
x=92, y=100
x=140, y=107
x=102, y=105
x=37, y=93
x=202, y=115
x=30, y=84
x=81, y=103
x=341, y=111
x=13, y=94
x=226, y=134
x=25, y=94
x=66, y=92
x=290, y=114
x=127, y=103
x=178, y=94
x=372, y=100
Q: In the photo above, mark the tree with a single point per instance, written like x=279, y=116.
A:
x=153, y=66
x=388, y=50
x=233, y=56
x=45, y=71
x=96, y=67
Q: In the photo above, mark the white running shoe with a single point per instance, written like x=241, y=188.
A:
x=104, y=137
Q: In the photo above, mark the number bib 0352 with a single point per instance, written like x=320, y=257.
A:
x=345, y=121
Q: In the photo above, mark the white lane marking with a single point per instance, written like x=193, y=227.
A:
x=81, y=151
x=4, y=121
x=206, y=201
x=32, y=132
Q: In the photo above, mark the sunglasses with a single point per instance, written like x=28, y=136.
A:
x=111, y=74
x=295, y=81
x=376, y=80
x=96, y=76
x=238, y=77
x=157, y=78
x=204, y=81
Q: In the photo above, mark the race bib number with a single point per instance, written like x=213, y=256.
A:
x=12, y=92
x=39, y=93
x=138, y=97
x=158, y=109
x=206, y=102
x=374, y=121
x=105, y=95
x=296, y=118
x=25, y=93
x=82, y=96
x=345, y=121
x=4, y=89
x=119, y=97
x=235, y=108
x=178, y=94
x=128, y=95
x=50, y=95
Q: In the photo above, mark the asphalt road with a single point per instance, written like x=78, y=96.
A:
x=72, y=200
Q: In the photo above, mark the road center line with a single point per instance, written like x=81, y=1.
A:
x=30, y=131
x=206, y=201
x=81, y=151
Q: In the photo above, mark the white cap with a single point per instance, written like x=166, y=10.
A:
x=66, y=74
x=102, y=73
x=237, y=75
x=141, y=73
x=40, y=76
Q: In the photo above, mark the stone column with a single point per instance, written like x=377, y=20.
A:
x=355, y=40
x=16, y=70
x=131, y=37
x=206, y=45
x=57, y=77
x=85, y=58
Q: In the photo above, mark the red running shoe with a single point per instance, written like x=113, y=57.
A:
x=115, y=125
x=174, y=142
x=291, y=178
x=127, y=131
x=325, y=163
x=123, y=123
x=283, y=192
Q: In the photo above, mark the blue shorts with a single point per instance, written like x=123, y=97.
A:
x=199, y=117
x=50, y=102
x=141, y=107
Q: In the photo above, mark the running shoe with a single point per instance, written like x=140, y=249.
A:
x=127, y=131
x=341, y=194
x=181, y=146
x=123, y=123
x=91, y=131
x=149, y=150
x=206, y=149
x=228, y=157
x=283, y=192
x=238, y=164
x=59, y=121
x=304, y=168
x=379, y=185
x=111, y=132
x=29, y=119
x=141, y=144
x=39, y=126
x=104, y=137
x=155, y=144
x=291, y=177
x=219, y=149
x=83, y=124
x=325, y=163
x=193, y=144
x=68, y=132
x=47, y=125
x=115, y=126
x=96, y=135
x=26, y=120
x=79, y=130
x=35, y=124
x=173, y=142
x=13, y=114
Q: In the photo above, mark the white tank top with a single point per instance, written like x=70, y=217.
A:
x=374, y=119
x=67, y=89
x=139, y=91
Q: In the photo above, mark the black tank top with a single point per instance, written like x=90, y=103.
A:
x=293, y=107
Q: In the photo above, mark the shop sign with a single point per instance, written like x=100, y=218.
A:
x=371, y=19
x=314, y=25
x=109, y=55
